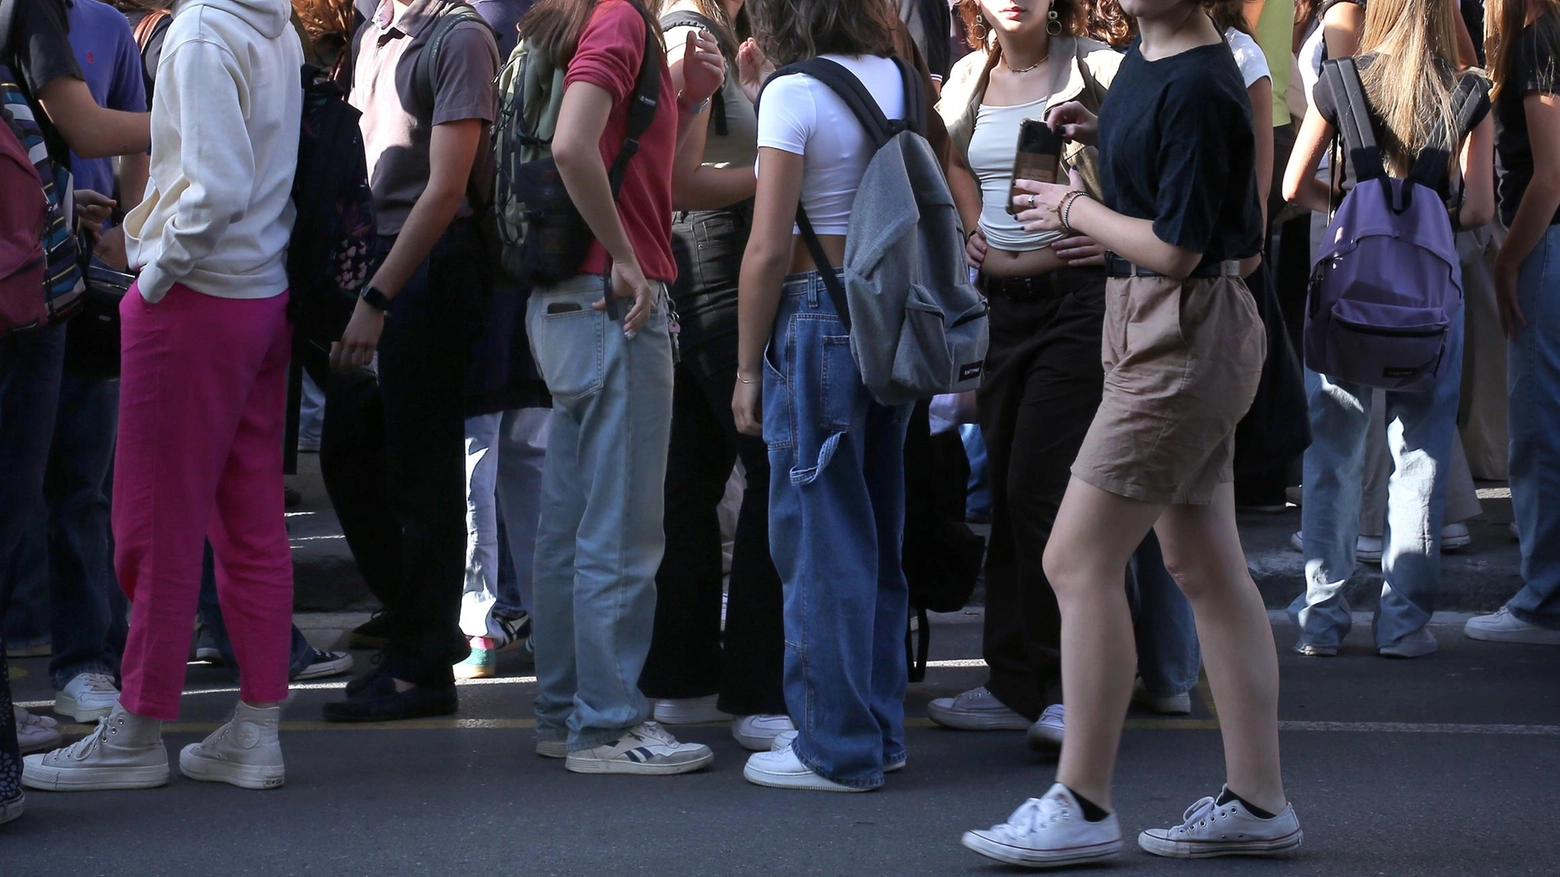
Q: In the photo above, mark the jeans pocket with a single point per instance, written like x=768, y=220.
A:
x=571, y=352
x=779, y=414
x=843, y=393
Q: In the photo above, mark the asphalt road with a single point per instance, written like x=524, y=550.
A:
x=1447, y=765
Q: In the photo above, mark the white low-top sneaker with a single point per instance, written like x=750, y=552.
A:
x=1503, y=627
x=783, y=770
x=1414, y=645
x=87, y=698
x=552, y=748
x=35, y=733
x=784, y=740
x=975, y=710
x=647, y=750
x=1163, y=704
x=758, y=733
x=1048, y=832
x=689, y=711
x=1213, y=829
x=124, y=751
x=1045, y=735
x=246, y=752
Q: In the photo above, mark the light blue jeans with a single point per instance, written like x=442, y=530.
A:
x=836, y=524
x=504, y=455
x=600, y=539
x=1533, y=376
x=1420, y=427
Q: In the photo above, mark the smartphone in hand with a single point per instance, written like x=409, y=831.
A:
x=1038, y=158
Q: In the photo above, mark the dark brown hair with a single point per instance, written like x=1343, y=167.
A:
x=327, y=22
x=730, y=32
x=1228, y=14
x=554, y=27
x=796, y=30
x=1069, y=14
x=130, y=7
x=1109, y=24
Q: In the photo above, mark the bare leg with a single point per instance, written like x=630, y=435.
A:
x=1202, y=551
x=1086, y=558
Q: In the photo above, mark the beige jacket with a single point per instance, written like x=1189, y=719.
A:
x=1086, y=78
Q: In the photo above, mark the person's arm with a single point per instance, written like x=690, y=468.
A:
x=220, y=167
x=134, y=169
x=1300, y=183
x=92, y=131
x=1341, y=29
x=1478, y=173
x=694, y=186
x=1261, y=94
x=764, y=265
x=452, y=149
x=967, y=199
x=1537, y=208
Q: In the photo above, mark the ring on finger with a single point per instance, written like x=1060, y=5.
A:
x=1031, y=202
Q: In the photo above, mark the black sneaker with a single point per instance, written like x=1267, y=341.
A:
x=382, y=703
x=325, y=664
x=516, y=629
x=371, y=634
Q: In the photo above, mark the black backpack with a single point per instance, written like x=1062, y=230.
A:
x=334, y=247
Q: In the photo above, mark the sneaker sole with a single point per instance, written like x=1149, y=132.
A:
x=479, y=671
x=245, y=776
x=1540, y=637
x=809, y=782
x=552, y=748
x=702, y=717
x=95, y=779
x=1316, y=651
x=1172, y=849
x=325, y=668
x=1168, y=707
x=966, y=722
x=65, y=705
x=979, y=843
x=12, y=809
x=1044, y=739
x=576, y=764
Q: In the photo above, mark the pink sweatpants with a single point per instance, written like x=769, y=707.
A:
x=202, y=409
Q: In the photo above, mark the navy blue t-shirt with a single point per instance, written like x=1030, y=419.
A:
x=1177, y=147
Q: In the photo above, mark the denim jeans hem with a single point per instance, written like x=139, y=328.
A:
x=64, y=677
x=871, y=782
x=580, y=740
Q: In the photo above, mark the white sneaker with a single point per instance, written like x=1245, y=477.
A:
x=125, y=751
x=786, y=738
x=783, y=770
x=1367, y=549
x=87, y=698
x=12, y=808
x=1045, y=735
x=975, y=710
x=1048, y=832
x=689, y=711
x=552, y=748
x=246, y=752
x=1503, y=627
x=758, y=733
x=35, y=733
x=647, y=750
x=1415, y=645
x=1163, y=704
x=1455, y=537
x=1212, y=829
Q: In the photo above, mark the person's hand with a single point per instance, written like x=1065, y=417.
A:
x=975, y=249
x=93, y=209
x=704, y=68
x=753, y=67
x=1079, y=250
x=356, y=348
x=1039, y=204
x=747, y=406
x=1511, y=318
x=629, y=282
x=1074, y=121
x=111, y=249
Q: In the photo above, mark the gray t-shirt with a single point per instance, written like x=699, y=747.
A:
x=738, y=147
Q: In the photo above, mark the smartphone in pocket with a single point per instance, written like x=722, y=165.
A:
x=1038, y=158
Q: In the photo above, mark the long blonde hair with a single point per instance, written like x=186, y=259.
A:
x=1504, y=22
x=1411, y=81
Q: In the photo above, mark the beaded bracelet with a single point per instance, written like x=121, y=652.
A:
x=1064, y=210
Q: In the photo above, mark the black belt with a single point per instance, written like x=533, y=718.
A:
x=1117, y=267
x=1037, y=288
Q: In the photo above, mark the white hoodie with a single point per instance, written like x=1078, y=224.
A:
x=225, y=116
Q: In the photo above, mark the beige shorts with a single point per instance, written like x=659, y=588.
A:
x=1182, y=363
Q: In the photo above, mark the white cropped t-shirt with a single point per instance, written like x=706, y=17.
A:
x=802, y=116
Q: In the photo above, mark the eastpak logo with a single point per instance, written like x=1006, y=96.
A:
x=970, y=371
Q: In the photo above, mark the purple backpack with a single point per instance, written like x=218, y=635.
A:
x=1387, y=283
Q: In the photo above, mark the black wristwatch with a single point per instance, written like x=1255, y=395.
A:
x=375, y=299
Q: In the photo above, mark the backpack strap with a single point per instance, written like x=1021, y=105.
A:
x=427, y=64
x=146, y=28
x=642, y=106
x=1359, y=138
x=689, y=18
x=1434, y=161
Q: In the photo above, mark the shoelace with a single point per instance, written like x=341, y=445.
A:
x=1037, y=814
x=1198, y=812
x=1054, y=711
x=98, y=683
x=653, y=732
x=83, y=747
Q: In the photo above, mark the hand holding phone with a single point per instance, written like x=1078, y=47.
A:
x=1038, y=157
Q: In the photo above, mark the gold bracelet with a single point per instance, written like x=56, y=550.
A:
x=1064, y=210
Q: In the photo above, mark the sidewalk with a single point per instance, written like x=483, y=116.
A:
x=1477, y=579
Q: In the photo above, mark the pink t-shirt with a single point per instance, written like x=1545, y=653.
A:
x=609, y=56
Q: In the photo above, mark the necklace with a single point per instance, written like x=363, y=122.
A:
x=1017, y=71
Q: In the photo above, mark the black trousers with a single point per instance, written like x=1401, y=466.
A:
x=1042, y=387
x=688, y=656
x=392, y=453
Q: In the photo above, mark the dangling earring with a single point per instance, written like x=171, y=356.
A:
x=980, y=29
x=1053, y=25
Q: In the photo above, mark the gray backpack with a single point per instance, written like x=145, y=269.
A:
x=918, y=327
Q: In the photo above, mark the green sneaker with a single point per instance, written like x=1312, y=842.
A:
x=482, y=663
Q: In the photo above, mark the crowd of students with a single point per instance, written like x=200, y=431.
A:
x=571, y=507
